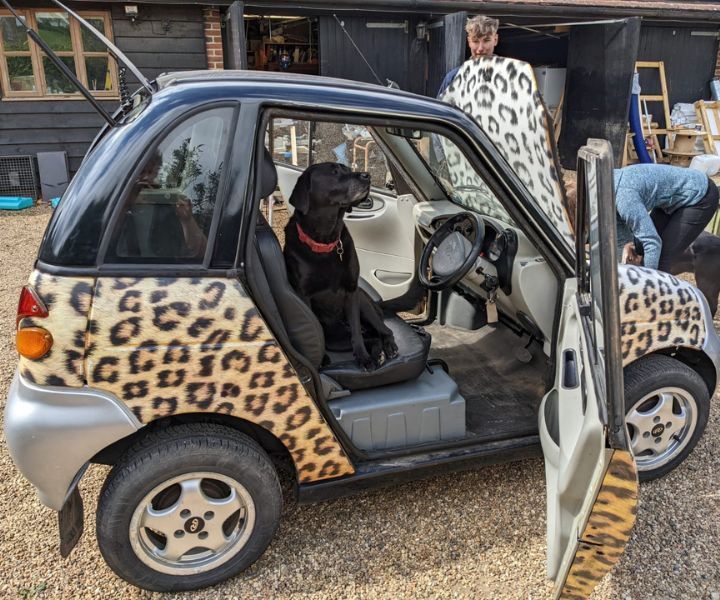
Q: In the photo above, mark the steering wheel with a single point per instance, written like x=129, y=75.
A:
x=455, y=254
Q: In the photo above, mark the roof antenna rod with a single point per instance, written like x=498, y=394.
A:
x=64, y=69
x=112, y=48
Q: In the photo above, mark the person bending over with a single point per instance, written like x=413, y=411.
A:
x=664, y=208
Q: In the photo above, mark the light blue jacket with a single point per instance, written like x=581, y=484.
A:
x=641, y=188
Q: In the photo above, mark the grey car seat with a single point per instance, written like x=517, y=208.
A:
x=304, y=329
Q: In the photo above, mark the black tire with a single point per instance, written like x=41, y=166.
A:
x=653, y=374
x=186, y=451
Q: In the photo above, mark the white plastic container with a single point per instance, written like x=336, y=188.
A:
x=706, y=163
x=551, y=83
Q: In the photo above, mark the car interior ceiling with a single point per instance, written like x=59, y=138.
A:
x=501, y=371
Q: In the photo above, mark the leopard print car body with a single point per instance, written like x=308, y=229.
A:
x=68, y=300
x=171, y=346
x=501, y=95
x=607, y=531
x=657, y=310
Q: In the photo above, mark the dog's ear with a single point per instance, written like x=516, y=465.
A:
x=300, y=197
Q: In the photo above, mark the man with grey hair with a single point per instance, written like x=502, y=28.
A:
x=482, y=37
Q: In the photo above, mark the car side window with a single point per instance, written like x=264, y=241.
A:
x=289, y=140
x=353, y=146
x=298, y=144
x=169, y=210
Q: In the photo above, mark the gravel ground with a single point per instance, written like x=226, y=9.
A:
x=479, y=534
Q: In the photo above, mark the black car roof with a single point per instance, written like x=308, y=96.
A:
x=277, y=85
x=265, y=77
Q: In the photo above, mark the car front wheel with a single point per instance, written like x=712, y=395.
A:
x=666, y=410
x=188, y=507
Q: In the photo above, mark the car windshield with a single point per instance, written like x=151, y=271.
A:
x=458, y=178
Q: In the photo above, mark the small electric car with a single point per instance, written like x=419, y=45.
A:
x=159, y=334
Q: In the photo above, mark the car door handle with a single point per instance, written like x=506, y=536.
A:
x=570, y=370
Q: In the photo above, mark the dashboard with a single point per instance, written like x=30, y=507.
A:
x=527, y=285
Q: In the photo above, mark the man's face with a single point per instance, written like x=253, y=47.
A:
x=482, y=46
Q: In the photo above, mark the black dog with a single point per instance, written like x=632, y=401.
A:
x=323, y=267
x=702, y=258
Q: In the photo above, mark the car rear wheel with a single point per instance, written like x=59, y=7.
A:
x=666, y=410
x=188, y=507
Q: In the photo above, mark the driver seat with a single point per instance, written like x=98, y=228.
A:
x=304, y=329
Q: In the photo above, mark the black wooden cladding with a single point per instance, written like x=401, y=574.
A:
x=164, y=38
x=600, y=65
x=447, y=49
x=436, y=57
x=689, y=63
x=393, y=53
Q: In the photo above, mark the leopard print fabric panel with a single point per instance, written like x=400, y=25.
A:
x=608, y=529
x=657, y=310
x=171, y=346
x=501, y=95
x=68, y=301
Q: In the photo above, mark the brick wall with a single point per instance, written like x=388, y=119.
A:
x=213, y=41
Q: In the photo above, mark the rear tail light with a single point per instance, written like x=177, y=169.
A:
x=30, y=305
x=32, y=342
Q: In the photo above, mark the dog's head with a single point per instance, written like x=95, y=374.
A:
x=329, y=185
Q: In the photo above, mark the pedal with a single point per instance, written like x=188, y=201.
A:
x=523, y=355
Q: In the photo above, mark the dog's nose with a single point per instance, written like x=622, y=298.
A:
x=364, y=175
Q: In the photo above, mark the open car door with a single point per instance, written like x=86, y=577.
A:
x=592, y=483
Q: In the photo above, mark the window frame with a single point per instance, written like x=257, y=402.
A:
x=312, y=126
x=105, y=263
x=78, y=54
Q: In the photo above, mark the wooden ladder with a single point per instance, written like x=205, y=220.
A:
x=661, y=97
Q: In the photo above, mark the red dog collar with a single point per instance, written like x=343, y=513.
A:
x=316, y=247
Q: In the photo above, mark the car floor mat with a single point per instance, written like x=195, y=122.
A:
x=502, y=393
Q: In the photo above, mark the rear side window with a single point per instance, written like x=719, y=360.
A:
x=170, y=207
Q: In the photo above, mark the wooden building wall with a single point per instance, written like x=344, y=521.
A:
x=689, y=60
x=393, y=53
x=164, y=38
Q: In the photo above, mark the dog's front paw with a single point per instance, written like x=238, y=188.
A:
x=363, y=358
x=376, y=354
x=390, y=348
